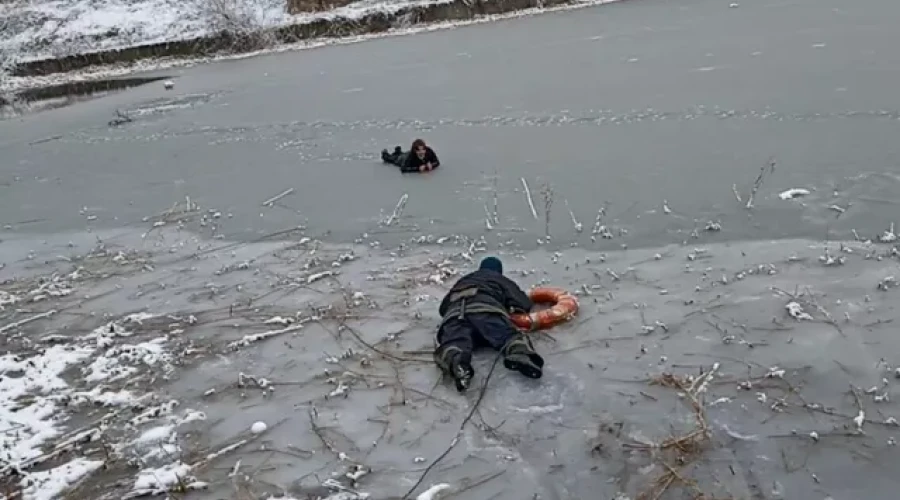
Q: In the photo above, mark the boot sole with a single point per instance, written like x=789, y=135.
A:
x=526, y=370
x=463, y=383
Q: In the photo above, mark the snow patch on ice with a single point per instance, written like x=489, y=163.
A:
x=121, y=361
x=157, y=448
x=342, y=495
x=434, y=492
x=100, y=397
x=540, y=410
x=55, y=287
x=35, y=396
x=7, y=299
x=155, y=435
x=159, y=443
x=795, y=310
x=50, y=484
x=792, y=193
x=29, y=423
x=191, y=416
x=160, y=480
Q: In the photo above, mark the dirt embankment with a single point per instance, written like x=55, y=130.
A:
x=226, y=41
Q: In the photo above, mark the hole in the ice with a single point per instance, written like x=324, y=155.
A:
x=65, y=94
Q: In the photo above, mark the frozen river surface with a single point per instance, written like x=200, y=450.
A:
x=147, y=338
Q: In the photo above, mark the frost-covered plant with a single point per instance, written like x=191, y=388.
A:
x=7, y=29
x=245, y=21
x=24, y=30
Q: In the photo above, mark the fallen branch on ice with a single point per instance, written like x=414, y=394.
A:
x=271, y=201
x=529, y=199
x=764, y=171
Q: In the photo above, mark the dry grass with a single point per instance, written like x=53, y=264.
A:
x=679, y=452
x=245, y=22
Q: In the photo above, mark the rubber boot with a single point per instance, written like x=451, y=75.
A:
x=519, y=355
x=457, y=364
x=385, y=156
x=398, y=151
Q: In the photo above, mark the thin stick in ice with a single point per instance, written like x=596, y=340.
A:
x=578, y=226
x=737, y=194
x=529, y=199
x=547, y=193
x=36, y=317
x=599, y=228
x=398, y=210
x=227, y=449
x=496, y=213
x=765, y=170
x=271, y=201
x=246, y=340
x=488, y=218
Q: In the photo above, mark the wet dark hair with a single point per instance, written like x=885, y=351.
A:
x=418, y=143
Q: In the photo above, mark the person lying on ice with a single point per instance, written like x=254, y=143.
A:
x=419, y=158
x=475, y=313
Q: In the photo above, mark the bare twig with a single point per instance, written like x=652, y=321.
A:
x=25, y=321
x=547, y=195
x=578, y=226
x=737, y=194
x=496, y=214
x=271, y=201
x=459, y=432
x=529, y=199
x=765, y=170
x=398, y=210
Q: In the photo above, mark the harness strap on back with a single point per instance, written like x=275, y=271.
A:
x=460, y=297
x=459, y=312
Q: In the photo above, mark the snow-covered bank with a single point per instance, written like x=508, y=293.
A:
x=37, y=29
x=75, y=30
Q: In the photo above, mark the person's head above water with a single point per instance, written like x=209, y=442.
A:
x=419, y=148
x=492, y=264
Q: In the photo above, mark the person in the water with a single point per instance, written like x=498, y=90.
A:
x=419, y=158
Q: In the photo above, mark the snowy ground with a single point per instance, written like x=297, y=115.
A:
x=47, y=28
x=140, y=363
x=37, y=29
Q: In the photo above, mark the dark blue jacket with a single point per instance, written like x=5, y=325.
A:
x=413, y=162
x=494, y=289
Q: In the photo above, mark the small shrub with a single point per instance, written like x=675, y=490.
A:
x=246, y=22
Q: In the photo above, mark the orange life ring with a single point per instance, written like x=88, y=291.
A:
x=565, y=306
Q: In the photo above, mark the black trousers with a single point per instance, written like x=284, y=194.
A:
x=396, y=159
x=476, y=330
